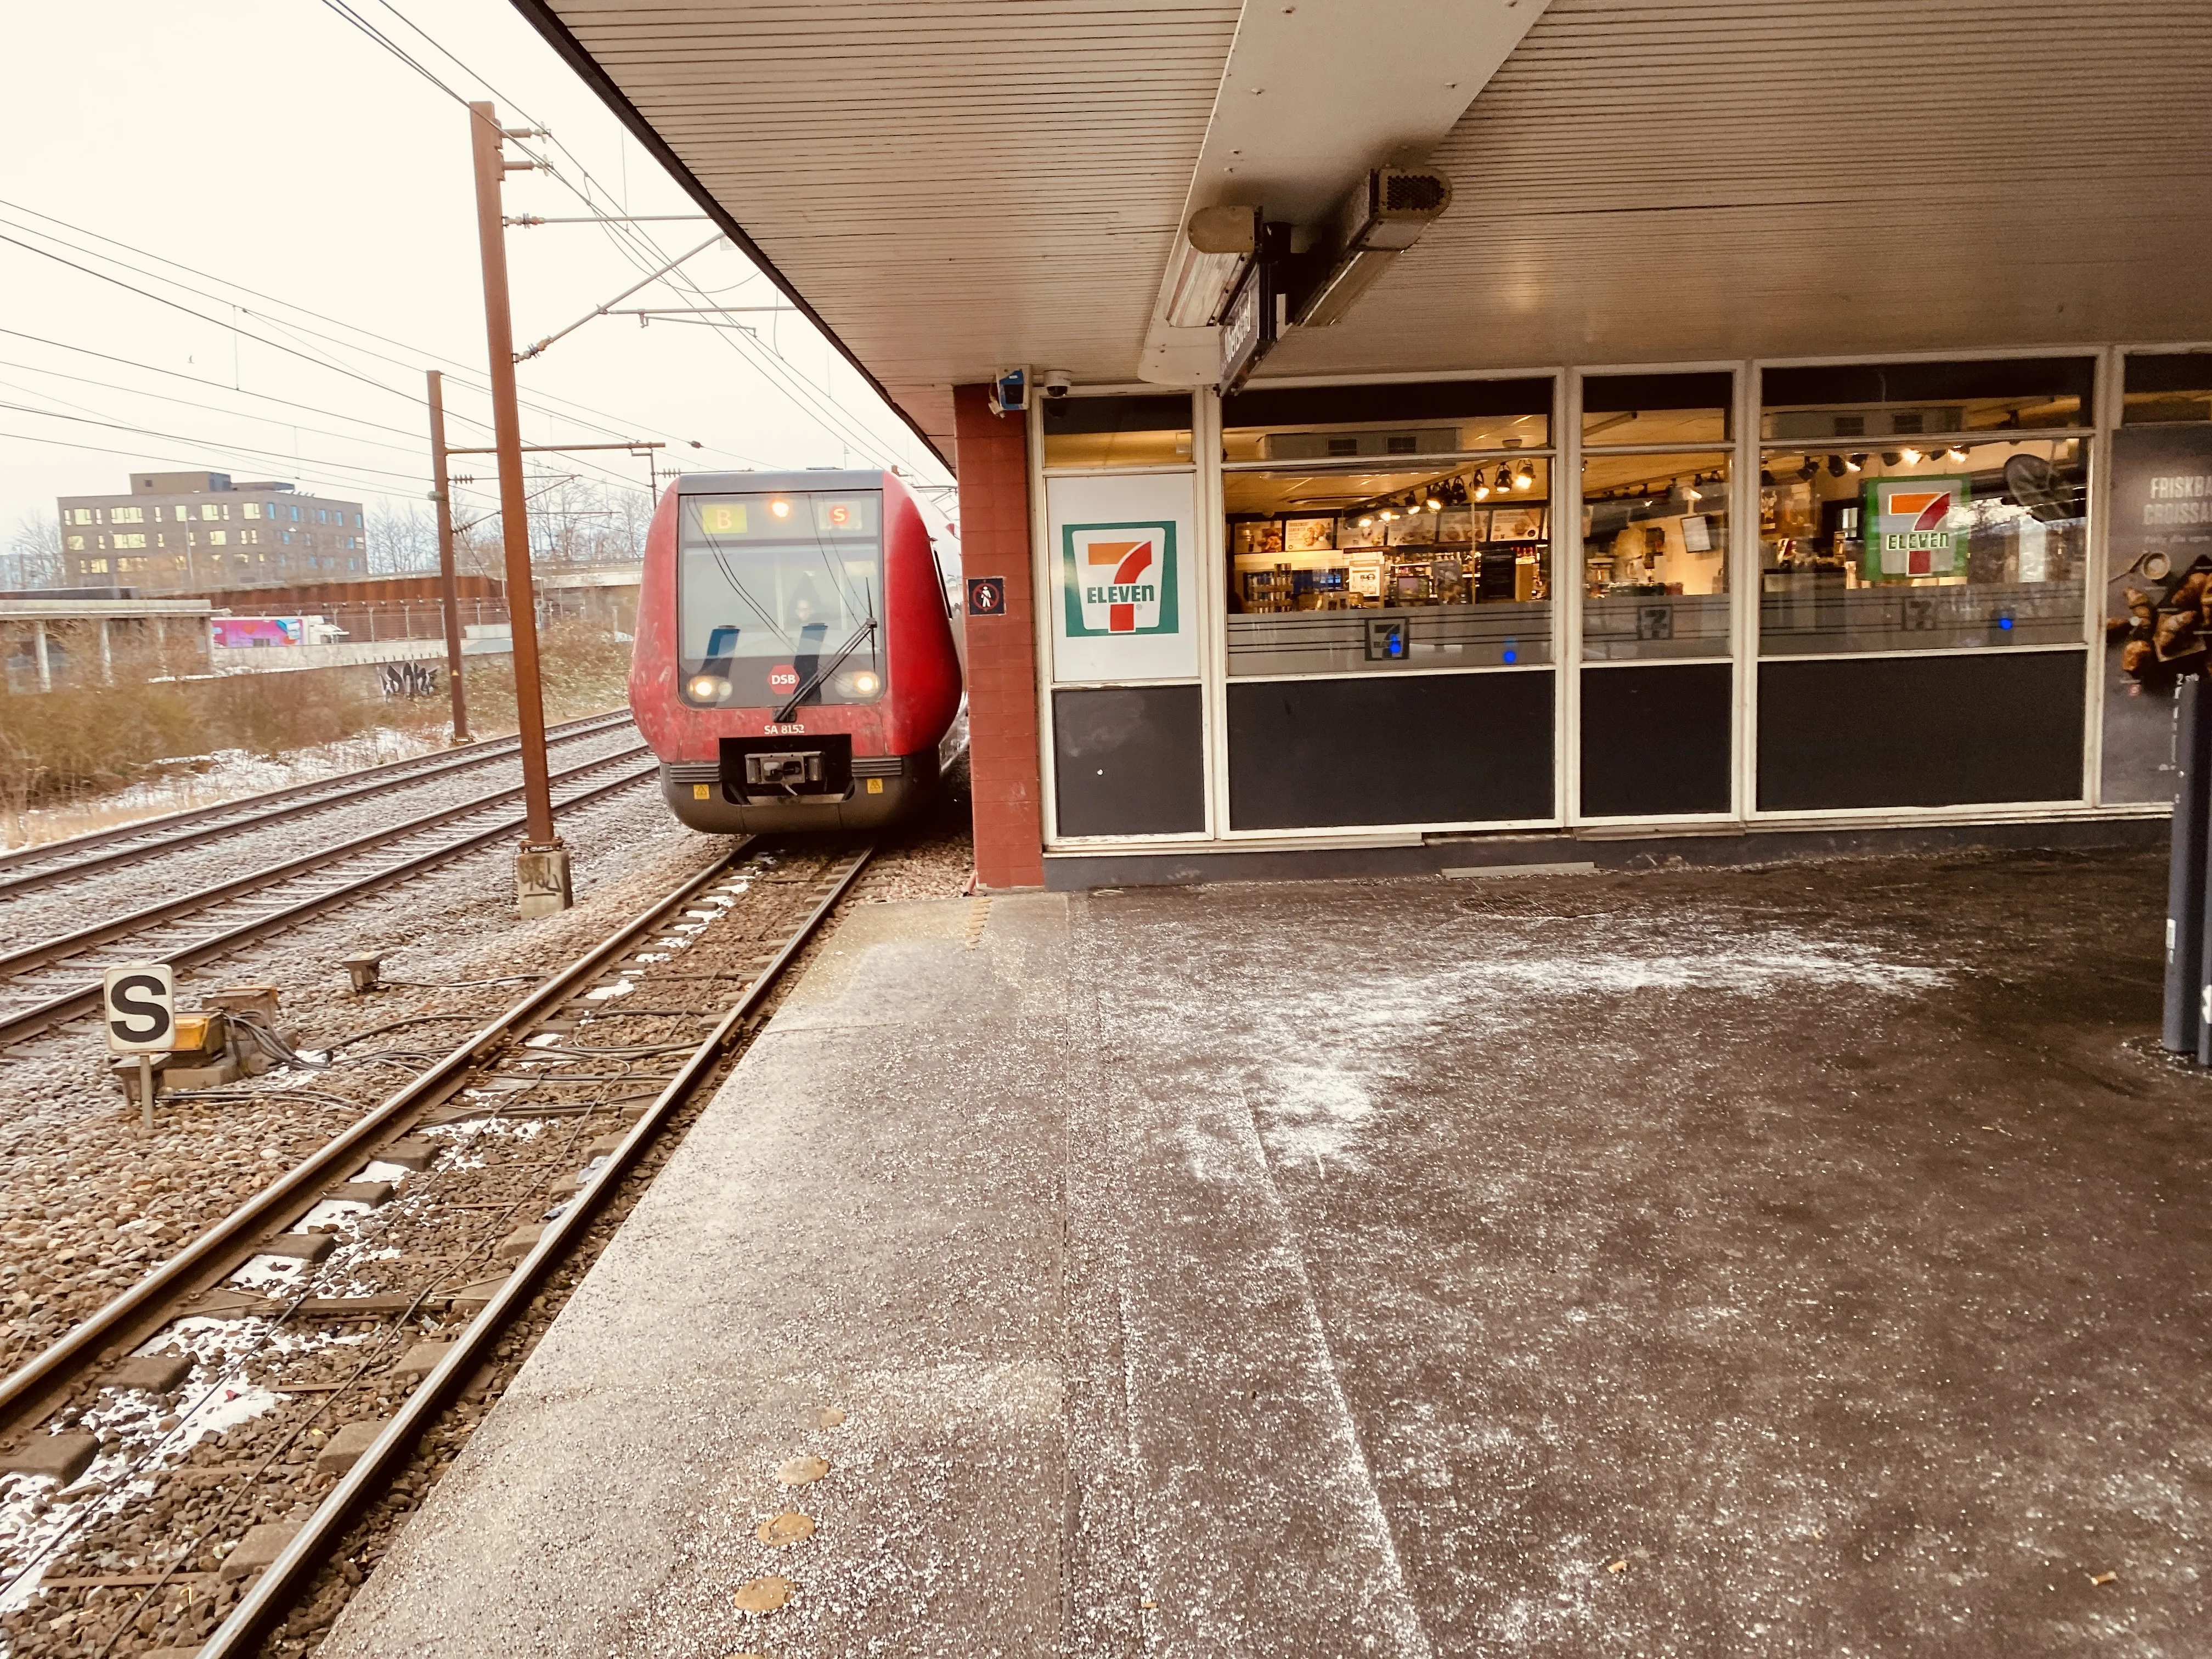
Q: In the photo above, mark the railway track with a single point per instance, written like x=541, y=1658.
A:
x=418, y=1237
x=32, y=869
x=55, y=980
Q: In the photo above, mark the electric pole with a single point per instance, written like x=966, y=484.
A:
x=448, y=583
x=542, y=874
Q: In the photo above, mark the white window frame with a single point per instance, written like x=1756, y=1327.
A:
x=1744, y=448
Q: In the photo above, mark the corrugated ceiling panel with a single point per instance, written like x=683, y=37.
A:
x=1649, y=179
x=957, y=185
x=954, y=186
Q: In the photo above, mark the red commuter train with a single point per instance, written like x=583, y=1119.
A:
x=795, y=666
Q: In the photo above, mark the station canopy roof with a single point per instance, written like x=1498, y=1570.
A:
x=956, y=186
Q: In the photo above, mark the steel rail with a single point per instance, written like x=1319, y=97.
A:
x=218, y=1252
x=68, y=1004
x=456, y=759
x=62, y=945
x=273, y=1592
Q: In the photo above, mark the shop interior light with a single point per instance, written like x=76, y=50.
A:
x=1367, y=522
x=1505, y=477
x=1766, y=477
x=1481, y=489
x=1854, y=464
x=1911, y=457
x=1835, y=466
x=1526, y=477
x=1388, y=515
x=1891, y=457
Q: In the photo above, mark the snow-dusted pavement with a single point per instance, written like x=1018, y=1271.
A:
x=1808, y=1260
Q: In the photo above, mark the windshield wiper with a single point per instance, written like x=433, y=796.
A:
x=866, y=630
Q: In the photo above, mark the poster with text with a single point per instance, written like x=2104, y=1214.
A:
x=1123, y=551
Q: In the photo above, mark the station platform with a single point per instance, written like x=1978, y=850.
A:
x=1807, y=1260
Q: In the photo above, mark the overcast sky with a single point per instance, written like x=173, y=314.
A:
x=274, y=147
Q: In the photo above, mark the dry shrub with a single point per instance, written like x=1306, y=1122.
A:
x=583, y=670
x=63, y=746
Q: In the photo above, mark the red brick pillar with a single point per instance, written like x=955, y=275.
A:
x=1002, y=666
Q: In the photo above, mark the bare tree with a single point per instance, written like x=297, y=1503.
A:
x=572, y=522
x=34, y=553
x=403, y=541
x=576, y=522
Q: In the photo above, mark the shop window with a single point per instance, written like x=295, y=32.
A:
x=2167, y=386
x=1655, y=535
x=1879, y=402
x=1945, y=545
x=1363, y=422
x=1382, y=570
x=1142, y=431
x=1657, y=409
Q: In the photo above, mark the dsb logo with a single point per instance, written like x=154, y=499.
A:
x=783, y=679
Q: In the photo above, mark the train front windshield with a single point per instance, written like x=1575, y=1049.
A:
x=780, y=597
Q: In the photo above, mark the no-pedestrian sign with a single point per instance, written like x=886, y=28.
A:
x=986, y=596
x=139, y=1004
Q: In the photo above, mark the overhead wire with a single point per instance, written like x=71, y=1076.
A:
x=815, y=401
x=187, y=438
x=279, y=324
x=175, y=304
x=212, y=385
x=213, y=409
x=539, y=401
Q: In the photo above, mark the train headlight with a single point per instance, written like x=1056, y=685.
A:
x=861, y=683
x=707, y=688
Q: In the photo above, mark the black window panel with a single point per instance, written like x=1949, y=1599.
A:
x=1920, y=731
x=1129, y=761
x=1912, y=383
x=1421, y=749
x=1656, y=740
x=2170, y=371
x=1137, y=414
x=1329, y=406
x=1614, y=394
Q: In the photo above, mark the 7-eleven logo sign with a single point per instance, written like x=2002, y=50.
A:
x=1909, y=526
x=1120, y=579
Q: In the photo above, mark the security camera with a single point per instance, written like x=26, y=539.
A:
x=1057, y=383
